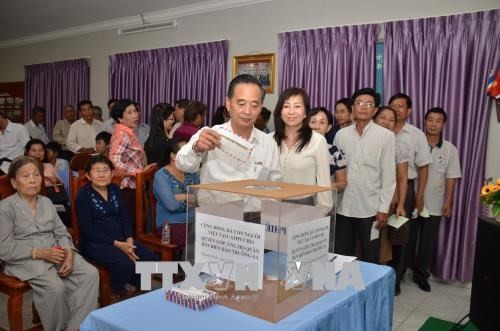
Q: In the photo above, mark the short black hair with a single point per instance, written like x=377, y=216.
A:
x=104, y=136
x=119, y=108
x=437, y=110
x=97, y=159
x=365, y=91
x=345, y=101
x=37, y=109
x=218, y=117
x=84, y=102
x=265, y=113
x=181, y=103
x=245, y=79
x=401, y=96
x=54, y=146
x=381, y=109
x=317, y=110
x=193, y=109
x=173, y=146
x=111, y=101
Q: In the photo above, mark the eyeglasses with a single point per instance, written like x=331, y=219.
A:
x=101, y=171
x=362, y=103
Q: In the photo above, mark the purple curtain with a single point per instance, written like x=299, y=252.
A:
x=329, y=63
x=195, y=72
x=53, y=85
x=445, y=61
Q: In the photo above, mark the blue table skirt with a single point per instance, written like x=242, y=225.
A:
x=341, y=310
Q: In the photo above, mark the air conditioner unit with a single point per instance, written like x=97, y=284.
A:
x=147, y=27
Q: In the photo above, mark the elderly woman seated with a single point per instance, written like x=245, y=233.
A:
x=106, y=227
x=36, y=248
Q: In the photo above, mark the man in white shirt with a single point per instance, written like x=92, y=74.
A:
x=61, y=131
x=443, y=173
x=35, y=127
x=371, y=179
x=13, y=139
x=81, y=136
x=418, y=166
x=244, y=102
x=179, y=108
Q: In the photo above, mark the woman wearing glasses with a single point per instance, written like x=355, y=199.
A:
x=106, y=231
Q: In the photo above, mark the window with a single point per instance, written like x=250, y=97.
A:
x=379, y=74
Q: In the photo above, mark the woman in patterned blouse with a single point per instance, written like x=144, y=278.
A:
x=125, y=150
x=170, y=189
x=106, y=230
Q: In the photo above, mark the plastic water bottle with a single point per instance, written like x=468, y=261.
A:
x=165, y=234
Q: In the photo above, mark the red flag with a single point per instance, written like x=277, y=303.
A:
x=493, y=84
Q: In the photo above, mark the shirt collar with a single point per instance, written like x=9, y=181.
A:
x=120, y=127
x=85, y=122
x=406, y=127
x=439, y=144
x=9, y=126
x=365, y=129
x=253, y=137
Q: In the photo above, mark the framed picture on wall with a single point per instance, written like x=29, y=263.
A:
x=261, y=66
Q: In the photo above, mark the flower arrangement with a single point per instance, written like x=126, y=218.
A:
x=490, y=195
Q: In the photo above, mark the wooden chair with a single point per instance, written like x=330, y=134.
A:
x=145, y=201
x=76, y=165
x=11, y=286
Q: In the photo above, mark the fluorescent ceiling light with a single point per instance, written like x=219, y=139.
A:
x=145, y=27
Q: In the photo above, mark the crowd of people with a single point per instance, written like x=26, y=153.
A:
x=380, y=164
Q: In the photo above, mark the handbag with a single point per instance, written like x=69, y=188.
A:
x=57, y=194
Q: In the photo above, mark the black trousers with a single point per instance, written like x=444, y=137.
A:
x=401, y=254
x=423, y=237
x=346, y=230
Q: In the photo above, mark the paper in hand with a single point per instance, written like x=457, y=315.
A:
x=374, y=233
x=235, y=146
x=396, y=221
x=425, y=213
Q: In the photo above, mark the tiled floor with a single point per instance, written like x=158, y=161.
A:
x=411, y=309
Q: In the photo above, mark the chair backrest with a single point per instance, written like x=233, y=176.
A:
x=6, y=188
x=144, y=198
x=78, y=161
x=78, y=182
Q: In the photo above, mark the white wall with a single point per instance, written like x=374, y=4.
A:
x=493, y=148
x=249, y=29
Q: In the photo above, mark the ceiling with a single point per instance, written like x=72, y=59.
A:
x=23, y=18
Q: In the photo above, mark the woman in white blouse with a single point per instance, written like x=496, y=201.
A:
x=304, y=153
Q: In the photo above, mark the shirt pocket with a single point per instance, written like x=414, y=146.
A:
x=371, y=159
x=441, y=166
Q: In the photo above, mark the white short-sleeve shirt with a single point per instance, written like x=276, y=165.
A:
x=445, y=164
x=418, y=148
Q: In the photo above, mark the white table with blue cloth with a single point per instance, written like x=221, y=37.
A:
x=349, y=309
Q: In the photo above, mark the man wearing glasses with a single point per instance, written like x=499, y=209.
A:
x=418, y=164
x=371, y=179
